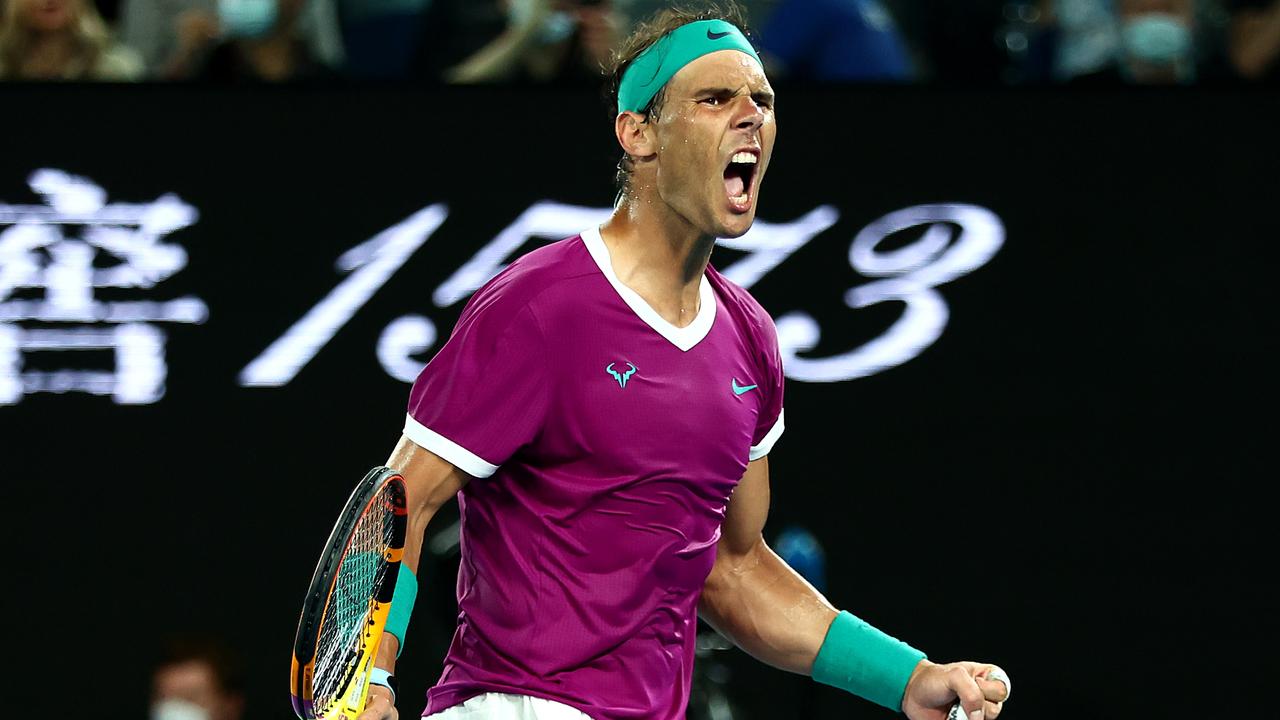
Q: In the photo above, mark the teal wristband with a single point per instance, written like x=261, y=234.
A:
x=860, y=659
x=402, y=605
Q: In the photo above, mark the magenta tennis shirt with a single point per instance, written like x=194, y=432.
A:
x=604, y=444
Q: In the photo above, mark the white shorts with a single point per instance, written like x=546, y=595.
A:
x=501, y=706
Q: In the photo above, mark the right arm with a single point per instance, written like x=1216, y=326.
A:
x=429, y=482
x=460, y=424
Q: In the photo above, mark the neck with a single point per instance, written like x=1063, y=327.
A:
x=659, y=254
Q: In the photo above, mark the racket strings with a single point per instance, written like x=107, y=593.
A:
x=362, y=573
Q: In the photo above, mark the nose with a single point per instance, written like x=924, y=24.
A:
x=748, y=115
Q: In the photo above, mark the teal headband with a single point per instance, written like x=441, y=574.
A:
x=654, y=67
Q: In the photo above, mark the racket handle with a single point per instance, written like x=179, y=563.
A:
x=359, y=694
x=957, y=713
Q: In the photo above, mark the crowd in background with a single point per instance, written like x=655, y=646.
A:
x=197, y=676
x=570, y=41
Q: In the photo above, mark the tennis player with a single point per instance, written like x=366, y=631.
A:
x=604, y=412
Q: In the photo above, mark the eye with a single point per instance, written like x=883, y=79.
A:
x=713, y=100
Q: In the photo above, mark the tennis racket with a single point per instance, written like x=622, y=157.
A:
x=346, y=607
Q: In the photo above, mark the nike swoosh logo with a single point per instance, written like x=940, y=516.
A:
x=739, y=389
x=717, y=36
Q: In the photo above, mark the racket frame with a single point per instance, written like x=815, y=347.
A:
x=354, y=688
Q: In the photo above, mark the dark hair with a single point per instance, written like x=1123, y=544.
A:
x=642, y=38
x=226, y=664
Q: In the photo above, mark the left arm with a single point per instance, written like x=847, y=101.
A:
x=764, y=607
x=752, y=597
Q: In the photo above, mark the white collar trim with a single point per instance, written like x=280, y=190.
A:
x=682, y=337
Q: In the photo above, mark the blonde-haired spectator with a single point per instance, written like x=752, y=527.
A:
x=61, y=40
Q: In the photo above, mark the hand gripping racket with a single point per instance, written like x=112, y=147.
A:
x=957, y=712
x=347, y=604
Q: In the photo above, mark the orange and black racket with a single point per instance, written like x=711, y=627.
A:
x=347, y=604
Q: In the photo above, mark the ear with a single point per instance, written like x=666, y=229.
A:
x=635, y=134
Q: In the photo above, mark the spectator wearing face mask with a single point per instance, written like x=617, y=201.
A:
x=61, y=40
x=175, y=36
x=197, y=678
x=1084, y=36
x=1253, y=39
x=1137, y=42
x=1157, y=41
x=260, y=41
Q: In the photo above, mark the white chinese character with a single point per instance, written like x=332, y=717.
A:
x=53, y=260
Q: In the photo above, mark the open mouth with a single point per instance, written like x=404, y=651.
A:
x=738, y=178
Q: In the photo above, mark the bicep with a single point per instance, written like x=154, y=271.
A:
x=430, y=481
x=747, y=511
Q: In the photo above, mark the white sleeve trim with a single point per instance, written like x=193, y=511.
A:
x=461, y=458
x=766, y=444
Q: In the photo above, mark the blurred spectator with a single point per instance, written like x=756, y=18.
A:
x=1146, y=42
x=1157, y=41
x=545, y=41
x=61, y=40
x=1087, y=37
x=381, y=37
x=834, y=41
x=258, y=41
x=1253, y=39
x=175, y=36
x=454, y=30
x=197, y=678
x=823, y=40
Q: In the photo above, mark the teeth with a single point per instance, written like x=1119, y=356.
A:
x=741, y=199
x=744, y=157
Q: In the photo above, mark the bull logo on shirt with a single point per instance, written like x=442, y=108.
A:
x=622, y=377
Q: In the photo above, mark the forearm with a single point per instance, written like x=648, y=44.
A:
x=389, y=647
x=498, y=59
x=429, y=483
x=766, y=608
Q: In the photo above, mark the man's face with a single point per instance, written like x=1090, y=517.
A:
x=715, y=133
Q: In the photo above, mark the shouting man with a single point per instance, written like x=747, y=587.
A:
x=603, y=411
